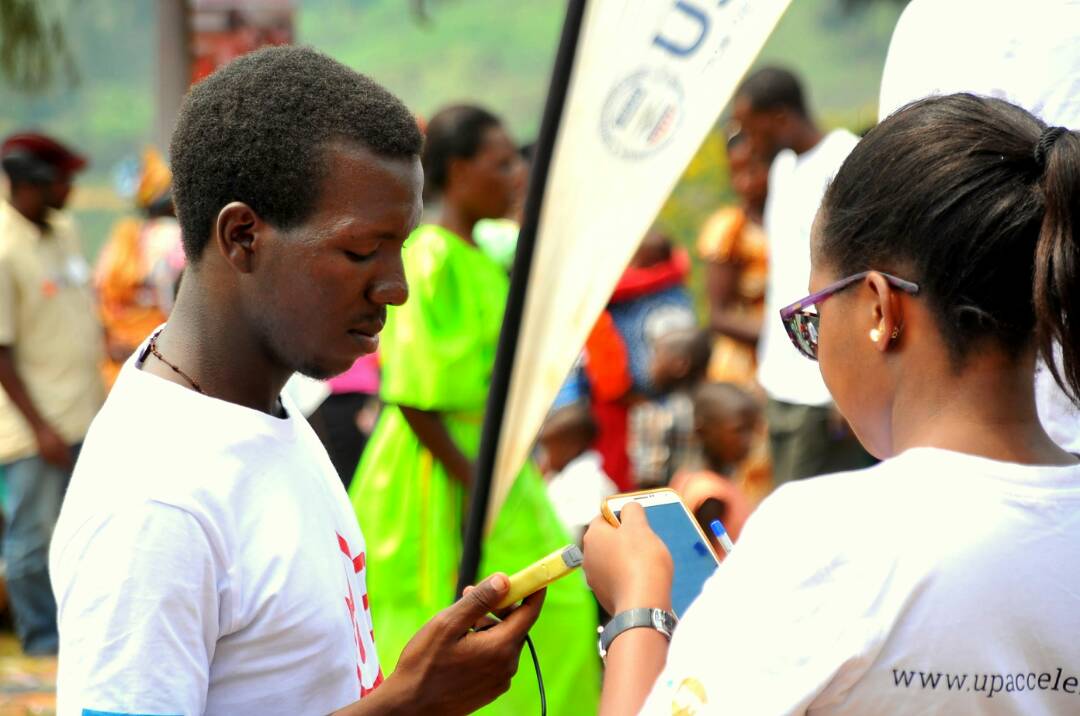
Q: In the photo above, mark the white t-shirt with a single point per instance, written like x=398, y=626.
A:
x=932, y=583
x=797, y=184
x=577, y=491
x=207, y=560
x=1025, y=52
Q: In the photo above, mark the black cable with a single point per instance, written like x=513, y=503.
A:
x=539, y=676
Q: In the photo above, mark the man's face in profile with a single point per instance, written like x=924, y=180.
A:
x=321, y=288
x=763, y=129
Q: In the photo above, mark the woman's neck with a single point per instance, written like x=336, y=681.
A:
x=459, y=221
x=986, y=409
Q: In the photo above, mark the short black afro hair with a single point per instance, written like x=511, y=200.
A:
x=254, y=132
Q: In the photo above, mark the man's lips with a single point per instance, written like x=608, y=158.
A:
x=368, y=327
x=368, y=342
x=369, y=331
x=366, y=334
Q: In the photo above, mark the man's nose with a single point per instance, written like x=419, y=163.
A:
x=390, y=287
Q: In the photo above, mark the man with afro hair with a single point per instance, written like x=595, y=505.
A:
x=207, y=559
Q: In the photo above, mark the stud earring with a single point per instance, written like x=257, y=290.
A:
x=875, y=335
x=895, y=333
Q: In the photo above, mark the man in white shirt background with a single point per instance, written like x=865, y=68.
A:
x=1026, y=53
x=207, y=559
x=807, y=437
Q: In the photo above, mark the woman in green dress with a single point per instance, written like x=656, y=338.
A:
x=411, y=488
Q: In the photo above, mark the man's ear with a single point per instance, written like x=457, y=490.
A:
x=236, y=234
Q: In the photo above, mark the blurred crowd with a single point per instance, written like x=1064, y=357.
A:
x=712, y=403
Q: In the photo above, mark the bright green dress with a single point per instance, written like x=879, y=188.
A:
x=438, y=351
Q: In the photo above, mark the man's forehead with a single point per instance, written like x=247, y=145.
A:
x=361, y=186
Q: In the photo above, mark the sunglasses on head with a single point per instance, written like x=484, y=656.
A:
x=802, y=325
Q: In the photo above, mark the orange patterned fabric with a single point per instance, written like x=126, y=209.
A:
x=729, y=237
x=129, y=293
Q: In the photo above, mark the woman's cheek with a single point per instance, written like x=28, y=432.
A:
x=832, y=353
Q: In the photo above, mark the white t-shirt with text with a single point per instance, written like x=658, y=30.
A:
x=207, y=560
x=932, y=583
x=797, y=184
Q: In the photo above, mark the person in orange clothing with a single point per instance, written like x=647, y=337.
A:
x=732, y=243
x=136, y=273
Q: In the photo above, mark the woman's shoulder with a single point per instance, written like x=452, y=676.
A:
x=831, y=510
x=429, y=250
x=433, y=247
x=430, y=239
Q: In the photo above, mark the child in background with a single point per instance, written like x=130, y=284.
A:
x=726, y=420
x=601, y=377
x=577, y=483
x=662, y=428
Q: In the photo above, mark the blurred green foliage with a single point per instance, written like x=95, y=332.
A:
x=34, y=49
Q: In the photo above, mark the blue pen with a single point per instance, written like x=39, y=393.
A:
x=721, y=536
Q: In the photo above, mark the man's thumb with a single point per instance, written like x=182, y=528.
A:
x=479, y=601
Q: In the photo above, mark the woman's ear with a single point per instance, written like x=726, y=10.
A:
x=886, y=312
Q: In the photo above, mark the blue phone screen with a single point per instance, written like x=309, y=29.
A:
x=694, y=561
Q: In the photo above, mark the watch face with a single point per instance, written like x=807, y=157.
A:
x=663, y=622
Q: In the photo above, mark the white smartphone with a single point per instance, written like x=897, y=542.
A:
x=691, y=551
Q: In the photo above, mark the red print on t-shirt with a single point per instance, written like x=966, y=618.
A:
x=358, y=563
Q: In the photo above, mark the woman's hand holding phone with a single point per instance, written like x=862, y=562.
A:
x=628, y=566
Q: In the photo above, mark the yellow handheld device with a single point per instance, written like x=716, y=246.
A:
x=541, y=573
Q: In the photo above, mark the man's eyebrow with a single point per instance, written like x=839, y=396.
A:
x=377, y=236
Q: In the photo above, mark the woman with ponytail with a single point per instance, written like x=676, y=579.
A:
x=945, y=256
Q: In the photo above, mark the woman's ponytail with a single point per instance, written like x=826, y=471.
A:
x=1057, y=257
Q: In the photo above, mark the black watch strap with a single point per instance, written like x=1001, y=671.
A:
x=658, y=619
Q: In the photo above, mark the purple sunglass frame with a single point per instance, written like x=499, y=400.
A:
x=795, y=318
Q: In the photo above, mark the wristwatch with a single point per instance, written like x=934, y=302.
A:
x=658, y=619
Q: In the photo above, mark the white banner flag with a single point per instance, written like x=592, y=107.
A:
x=650, y=79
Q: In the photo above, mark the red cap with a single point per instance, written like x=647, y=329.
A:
x=44, y=148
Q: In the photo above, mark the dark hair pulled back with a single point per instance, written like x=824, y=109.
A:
x=949, y=192
x=453, y=133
